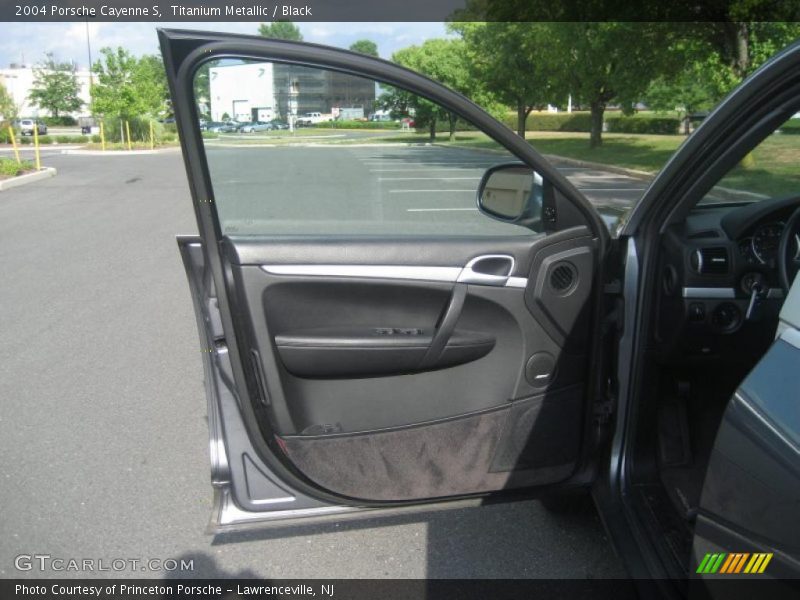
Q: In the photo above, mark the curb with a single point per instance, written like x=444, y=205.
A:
x=45, y=173
x=118, y=152
x=29, y=147
x=600, y=167
x=568, y=161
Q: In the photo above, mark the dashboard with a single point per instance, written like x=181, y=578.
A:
x=720, y=290
x=761, y=248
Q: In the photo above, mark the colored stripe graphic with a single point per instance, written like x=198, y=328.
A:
x=767, y=558
x=717, y=564
x=752, y=566
x=727, y=564
x=702, y=567
x=734, y=563
x=740, y=564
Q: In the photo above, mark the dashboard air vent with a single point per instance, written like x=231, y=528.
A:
x=710, y=261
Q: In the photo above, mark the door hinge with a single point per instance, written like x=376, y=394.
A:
x=603, y=409
x=602, y=412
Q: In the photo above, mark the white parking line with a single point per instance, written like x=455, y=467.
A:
x=436, y=209
x=415, y=169
x=428, y=178
x=603, y=176
x=427, y=191
x=630, y=189
x=429, y=162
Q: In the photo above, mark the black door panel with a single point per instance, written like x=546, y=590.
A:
x=524, y=443
x=395, y=380
x=453, y=251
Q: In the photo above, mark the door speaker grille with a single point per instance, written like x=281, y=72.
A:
x=562, y=278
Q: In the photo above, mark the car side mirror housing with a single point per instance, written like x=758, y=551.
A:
x=514, y=193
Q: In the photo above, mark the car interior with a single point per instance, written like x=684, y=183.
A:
x=719, y=292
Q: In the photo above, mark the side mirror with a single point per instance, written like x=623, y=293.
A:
x=513, y=193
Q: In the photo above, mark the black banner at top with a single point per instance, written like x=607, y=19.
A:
x=405, y=10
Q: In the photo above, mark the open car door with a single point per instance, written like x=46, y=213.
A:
x=371, y=339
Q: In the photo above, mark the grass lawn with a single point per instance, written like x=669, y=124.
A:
x=640, y=152
x=771, y=169
x=10, y=168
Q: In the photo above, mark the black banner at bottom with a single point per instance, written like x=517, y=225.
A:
x=391, y=589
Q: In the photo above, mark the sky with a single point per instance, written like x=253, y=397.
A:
x=29, y=42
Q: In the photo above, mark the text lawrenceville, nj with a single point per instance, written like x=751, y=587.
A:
x=179, y=10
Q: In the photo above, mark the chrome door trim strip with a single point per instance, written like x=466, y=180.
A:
x=402, y=272
x=421, y=273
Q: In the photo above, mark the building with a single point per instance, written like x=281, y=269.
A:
x=242, y=92
x=18, y=80
x=251, y=91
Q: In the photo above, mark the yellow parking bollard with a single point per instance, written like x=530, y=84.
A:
x=14, y=144
x=128, y=134
x=102, y=136
x=36, y=145
x=152, y=141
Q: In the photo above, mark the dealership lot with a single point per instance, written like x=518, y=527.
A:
x=102, y=426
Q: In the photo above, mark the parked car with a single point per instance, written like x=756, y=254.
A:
x=26, y=127
x=255, y=126
x=655, y=365
x=278, y=124
x=87, y=124
x=221, y=127
x=312, y=118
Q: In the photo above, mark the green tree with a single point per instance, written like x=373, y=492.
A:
x=601, y=63
x=281, y=30
x=514, y=61
x=741, y=44
x=55, y=87
x=8, y=110
x=367, y=47
x=446, y=62
x=126, y=86
x=711, y=60
x=150, y=80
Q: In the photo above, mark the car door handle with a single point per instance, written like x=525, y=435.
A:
x=489, y=269
x=445, y=327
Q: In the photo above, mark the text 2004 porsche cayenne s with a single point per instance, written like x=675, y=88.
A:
x=374, y=342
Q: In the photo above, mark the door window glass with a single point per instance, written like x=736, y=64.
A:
x=294, y=149
x=770, y=170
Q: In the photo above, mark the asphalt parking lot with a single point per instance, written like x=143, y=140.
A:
x=103, y=422
x=374, y=188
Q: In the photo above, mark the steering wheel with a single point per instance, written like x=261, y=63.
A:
x=789, y=265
